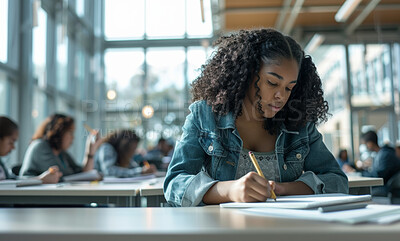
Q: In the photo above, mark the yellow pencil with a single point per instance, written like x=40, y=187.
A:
x=88, y=128
x=146, y=163
x=255, y=163
x=52, y=170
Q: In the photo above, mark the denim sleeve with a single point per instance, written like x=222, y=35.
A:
x=321, y=171
x=185, y=183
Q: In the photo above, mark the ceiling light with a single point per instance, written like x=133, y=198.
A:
x=346, y=10
x=314, y=43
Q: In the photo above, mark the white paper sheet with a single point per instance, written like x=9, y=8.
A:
x=302, y=201
x=381, y=214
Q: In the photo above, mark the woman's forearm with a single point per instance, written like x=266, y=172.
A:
x=292, y=188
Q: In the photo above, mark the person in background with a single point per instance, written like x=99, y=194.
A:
x=50, y=144
x=8, y=136
x=385, y=163
x=162, y=153
x=260, y=93
x=115, y=156
x=343, y=161
x=397, y=149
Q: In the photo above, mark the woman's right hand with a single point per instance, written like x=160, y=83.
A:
x=52, y=175
x=250, y=188
x=151, y=168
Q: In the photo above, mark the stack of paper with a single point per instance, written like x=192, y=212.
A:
x=372, y=213
x=128, y=179
x=19, y=183
x=302, y=201
x=92, y=175
x=305, y=207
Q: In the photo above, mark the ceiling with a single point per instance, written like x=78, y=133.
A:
x=372, y=20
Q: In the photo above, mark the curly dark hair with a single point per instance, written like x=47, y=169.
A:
x=7, y=127
x=53, y=128
x=226, y=77
x=121, y=140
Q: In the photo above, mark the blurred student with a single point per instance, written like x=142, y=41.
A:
x=385, y=163
x=50, y=144
x=343, y=161
x=8, y=136
x=397, y=150
x=162, y=153
x=115, y=155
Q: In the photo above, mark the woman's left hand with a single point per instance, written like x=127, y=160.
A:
x=93, y=142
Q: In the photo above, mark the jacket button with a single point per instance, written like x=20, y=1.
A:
x=284, y=167
x=210, y=148
x=298, y=156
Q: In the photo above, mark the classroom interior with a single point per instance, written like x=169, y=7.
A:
x=129, y=64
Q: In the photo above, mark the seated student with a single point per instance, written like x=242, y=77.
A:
x=343, y=162
x=8, y=136
x=49, y=148
x=385, y=163
x=115, y=155
x=258, y=93
x=162, y=153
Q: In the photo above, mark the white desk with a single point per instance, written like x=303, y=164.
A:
x=122, y=195
x=362, y=185
x=153, y=192
x=174, y=224
x=357, y=185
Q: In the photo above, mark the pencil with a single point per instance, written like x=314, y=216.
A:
x=146, y=163
x=255, y=163
x=52, y=170
x=88, y=128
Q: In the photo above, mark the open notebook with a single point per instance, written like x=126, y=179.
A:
x=92, y=175
x=128, y=179
x=19, y=183
x=302, y=201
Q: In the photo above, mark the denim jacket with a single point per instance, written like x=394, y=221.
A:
x=209, y=148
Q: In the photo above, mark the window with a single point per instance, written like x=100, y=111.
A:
x=39, y=110
x=62, y=58
x=195, y=25
x=39, y=48
x=79, y=72
x=124, y=19
x=165, y=79
x=80, y=8
x=196, y=57
x=124, y=75
x=165, y=19
x=3, y=31
x=3, y=95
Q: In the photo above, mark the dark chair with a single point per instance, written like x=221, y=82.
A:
x=16, y=169
x=394, y=188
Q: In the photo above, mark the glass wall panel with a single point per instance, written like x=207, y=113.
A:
x=39, y=48
x=165, y=19
x=124, y=75
x=196, y=57
x=3, y=95
x=79, y=73
x=62, y=58
x=3, y=31
x=39, y=110
x=359, y=82
x=199, y=21
x=165, y=79
x=124, y=19
x=80, y=7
